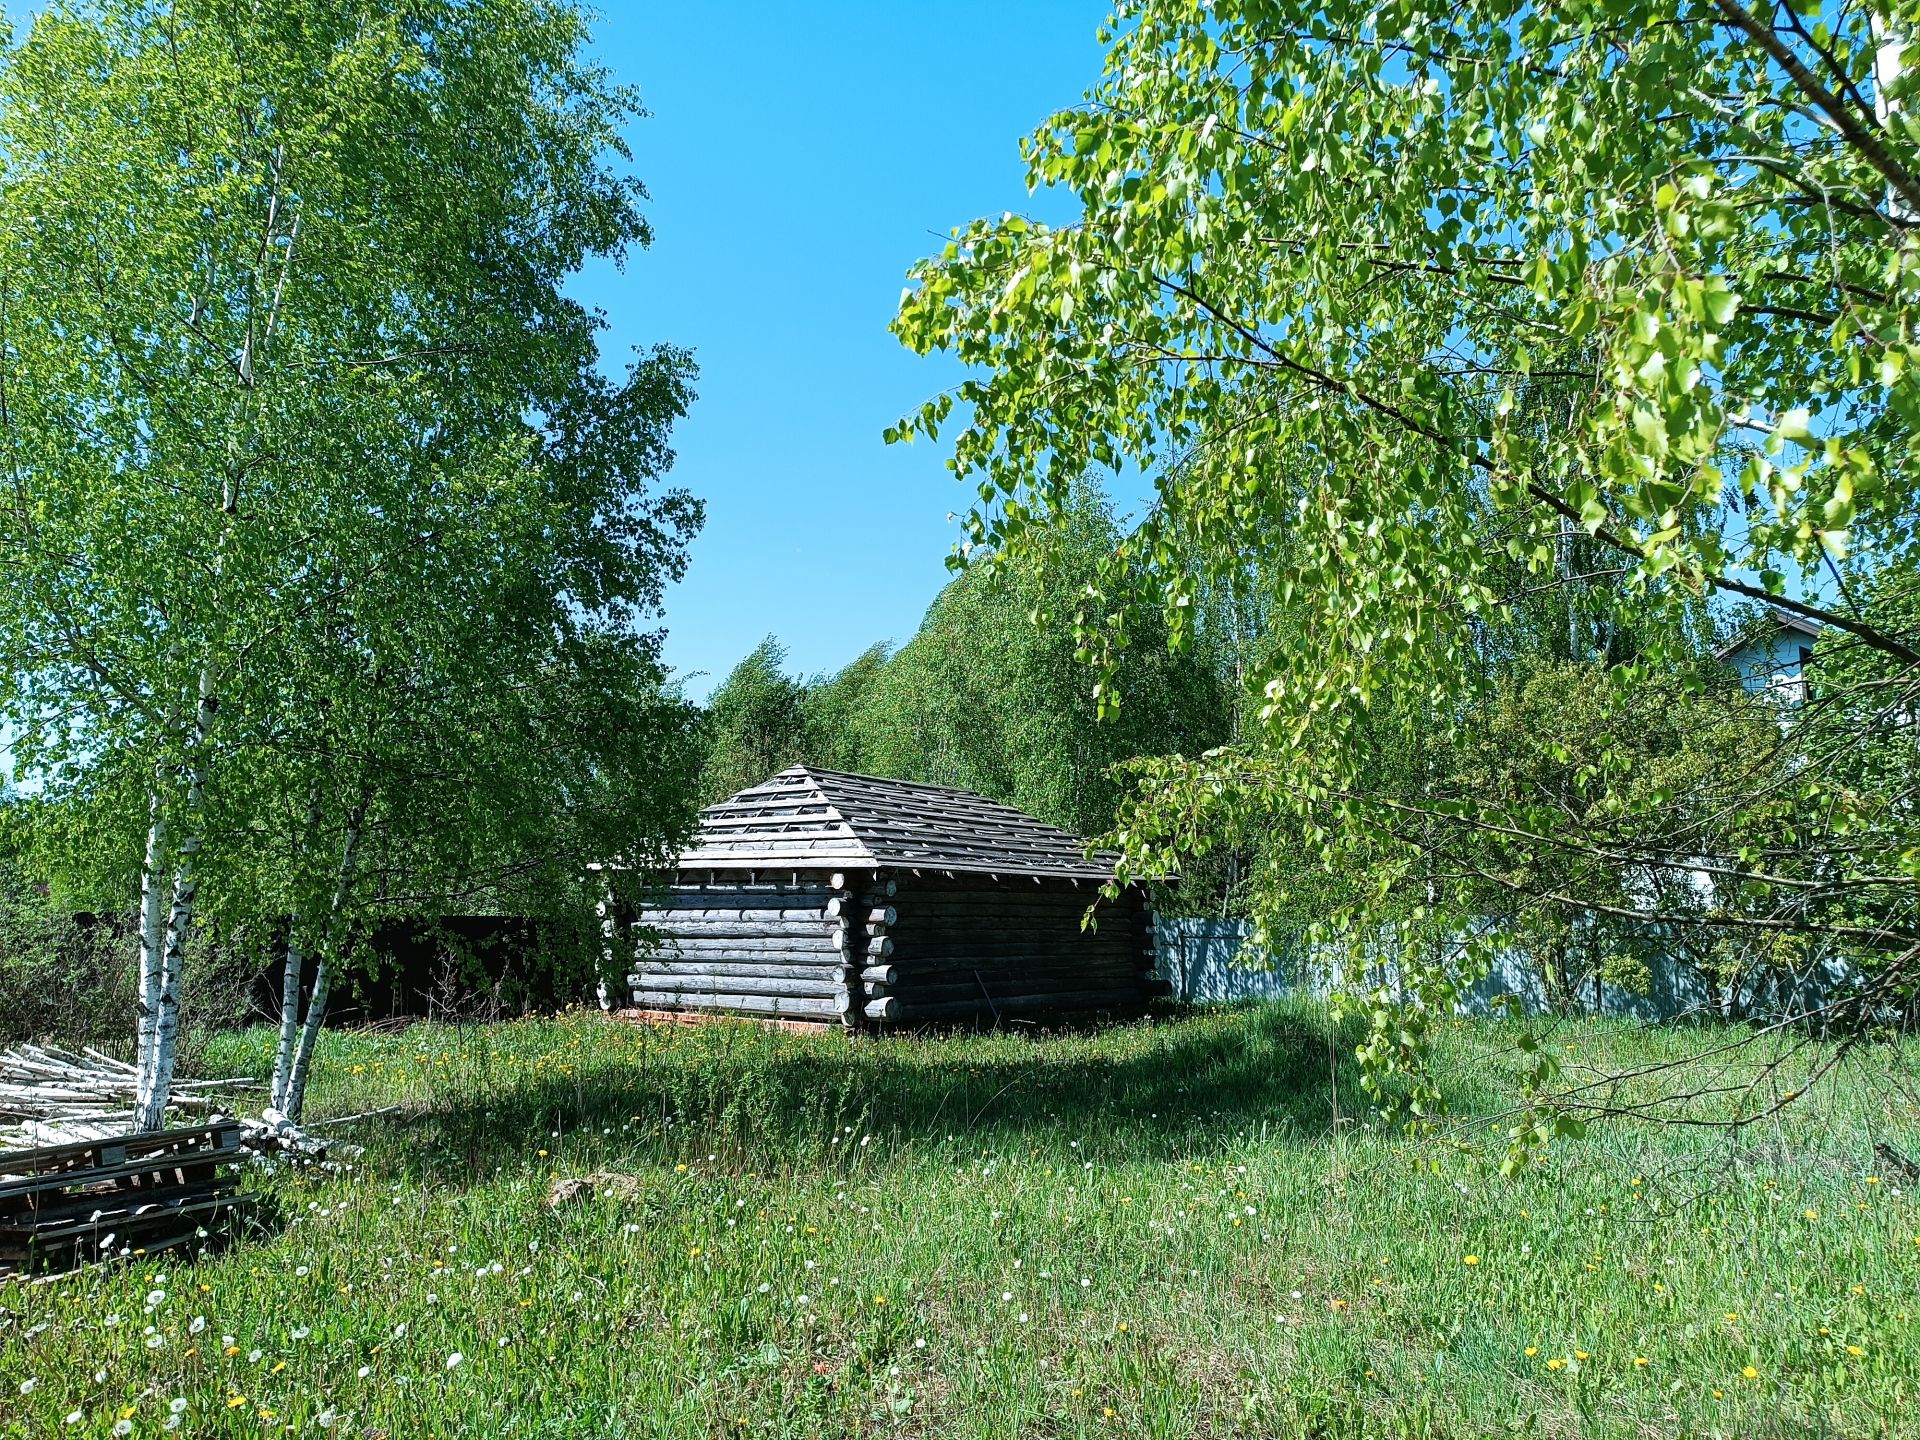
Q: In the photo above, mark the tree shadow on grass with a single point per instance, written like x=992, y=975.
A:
x=1174, y=1085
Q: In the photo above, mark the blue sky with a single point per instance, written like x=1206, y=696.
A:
x=800, y=158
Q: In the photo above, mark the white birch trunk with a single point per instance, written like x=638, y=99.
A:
x=156, y=1062
x=148, y=1019
x=289, y=1016
x=295, y=963
x=609, y=947
x=294, y=1100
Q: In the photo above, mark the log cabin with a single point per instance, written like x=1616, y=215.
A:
x=822, y=898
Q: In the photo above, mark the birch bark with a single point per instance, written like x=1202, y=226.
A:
x=294, y=1100
x=154, y=857
x=295, y=963
x=155, y=1061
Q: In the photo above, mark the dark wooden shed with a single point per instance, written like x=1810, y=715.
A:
x=834, y=898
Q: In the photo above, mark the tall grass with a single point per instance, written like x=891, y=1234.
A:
x=1178, y=1227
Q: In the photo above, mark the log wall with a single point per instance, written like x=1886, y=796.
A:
x=976, y=948
x=773, y=945
x=880, y=950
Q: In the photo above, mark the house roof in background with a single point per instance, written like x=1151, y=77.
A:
x=1774, y=620
x=810, y=817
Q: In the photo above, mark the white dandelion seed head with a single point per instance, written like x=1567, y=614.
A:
x=178, y=1404
x=453, y=1360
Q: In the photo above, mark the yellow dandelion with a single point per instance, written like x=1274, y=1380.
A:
x=1750, y=1373
x=1556, y=1363
x=1581, y=1355
x=1856, y=1349
x=1531, y=1351
x=1470, y=1260
x=1640, y=1362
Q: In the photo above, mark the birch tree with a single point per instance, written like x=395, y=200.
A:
x=1330, y=263
x=261, y=271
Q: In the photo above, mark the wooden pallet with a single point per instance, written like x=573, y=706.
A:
x=62, y=1204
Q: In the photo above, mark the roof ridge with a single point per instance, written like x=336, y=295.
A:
x=844, y=817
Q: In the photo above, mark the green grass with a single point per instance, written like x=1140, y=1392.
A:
x=1152, y=1230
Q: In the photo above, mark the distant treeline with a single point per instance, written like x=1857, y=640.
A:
x=991, y=695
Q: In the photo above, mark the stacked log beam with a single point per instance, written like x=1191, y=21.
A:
x=976, y=948
x=739, y=945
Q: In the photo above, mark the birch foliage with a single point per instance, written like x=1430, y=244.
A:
x=1402, y=305
x=283, y=339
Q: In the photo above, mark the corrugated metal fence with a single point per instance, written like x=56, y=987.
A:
x=1207, y=963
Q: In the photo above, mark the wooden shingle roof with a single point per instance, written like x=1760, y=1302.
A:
x=810, y=817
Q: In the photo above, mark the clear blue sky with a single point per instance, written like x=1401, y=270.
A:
x=800, y=158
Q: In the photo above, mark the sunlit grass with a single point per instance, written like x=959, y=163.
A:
x=1152, y=1230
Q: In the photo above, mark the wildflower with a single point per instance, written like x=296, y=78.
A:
x=177, y=1405
x=1581, y=1355
x=236, y=1402
x=1531, y=1351
x=27, y=1386
x=1750, y=1373
x=1640, y=1362
x=1856, y=1350
x=1556, y=1363
x=1811, y=1213
x=1470, y=1260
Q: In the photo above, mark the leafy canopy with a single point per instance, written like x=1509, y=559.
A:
x=1416, y=309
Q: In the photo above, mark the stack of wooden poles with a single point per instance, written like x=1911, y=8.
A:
x=134, y=1194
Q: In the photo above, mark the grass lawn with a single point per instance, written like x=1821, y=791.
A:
x=1153, y=1230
